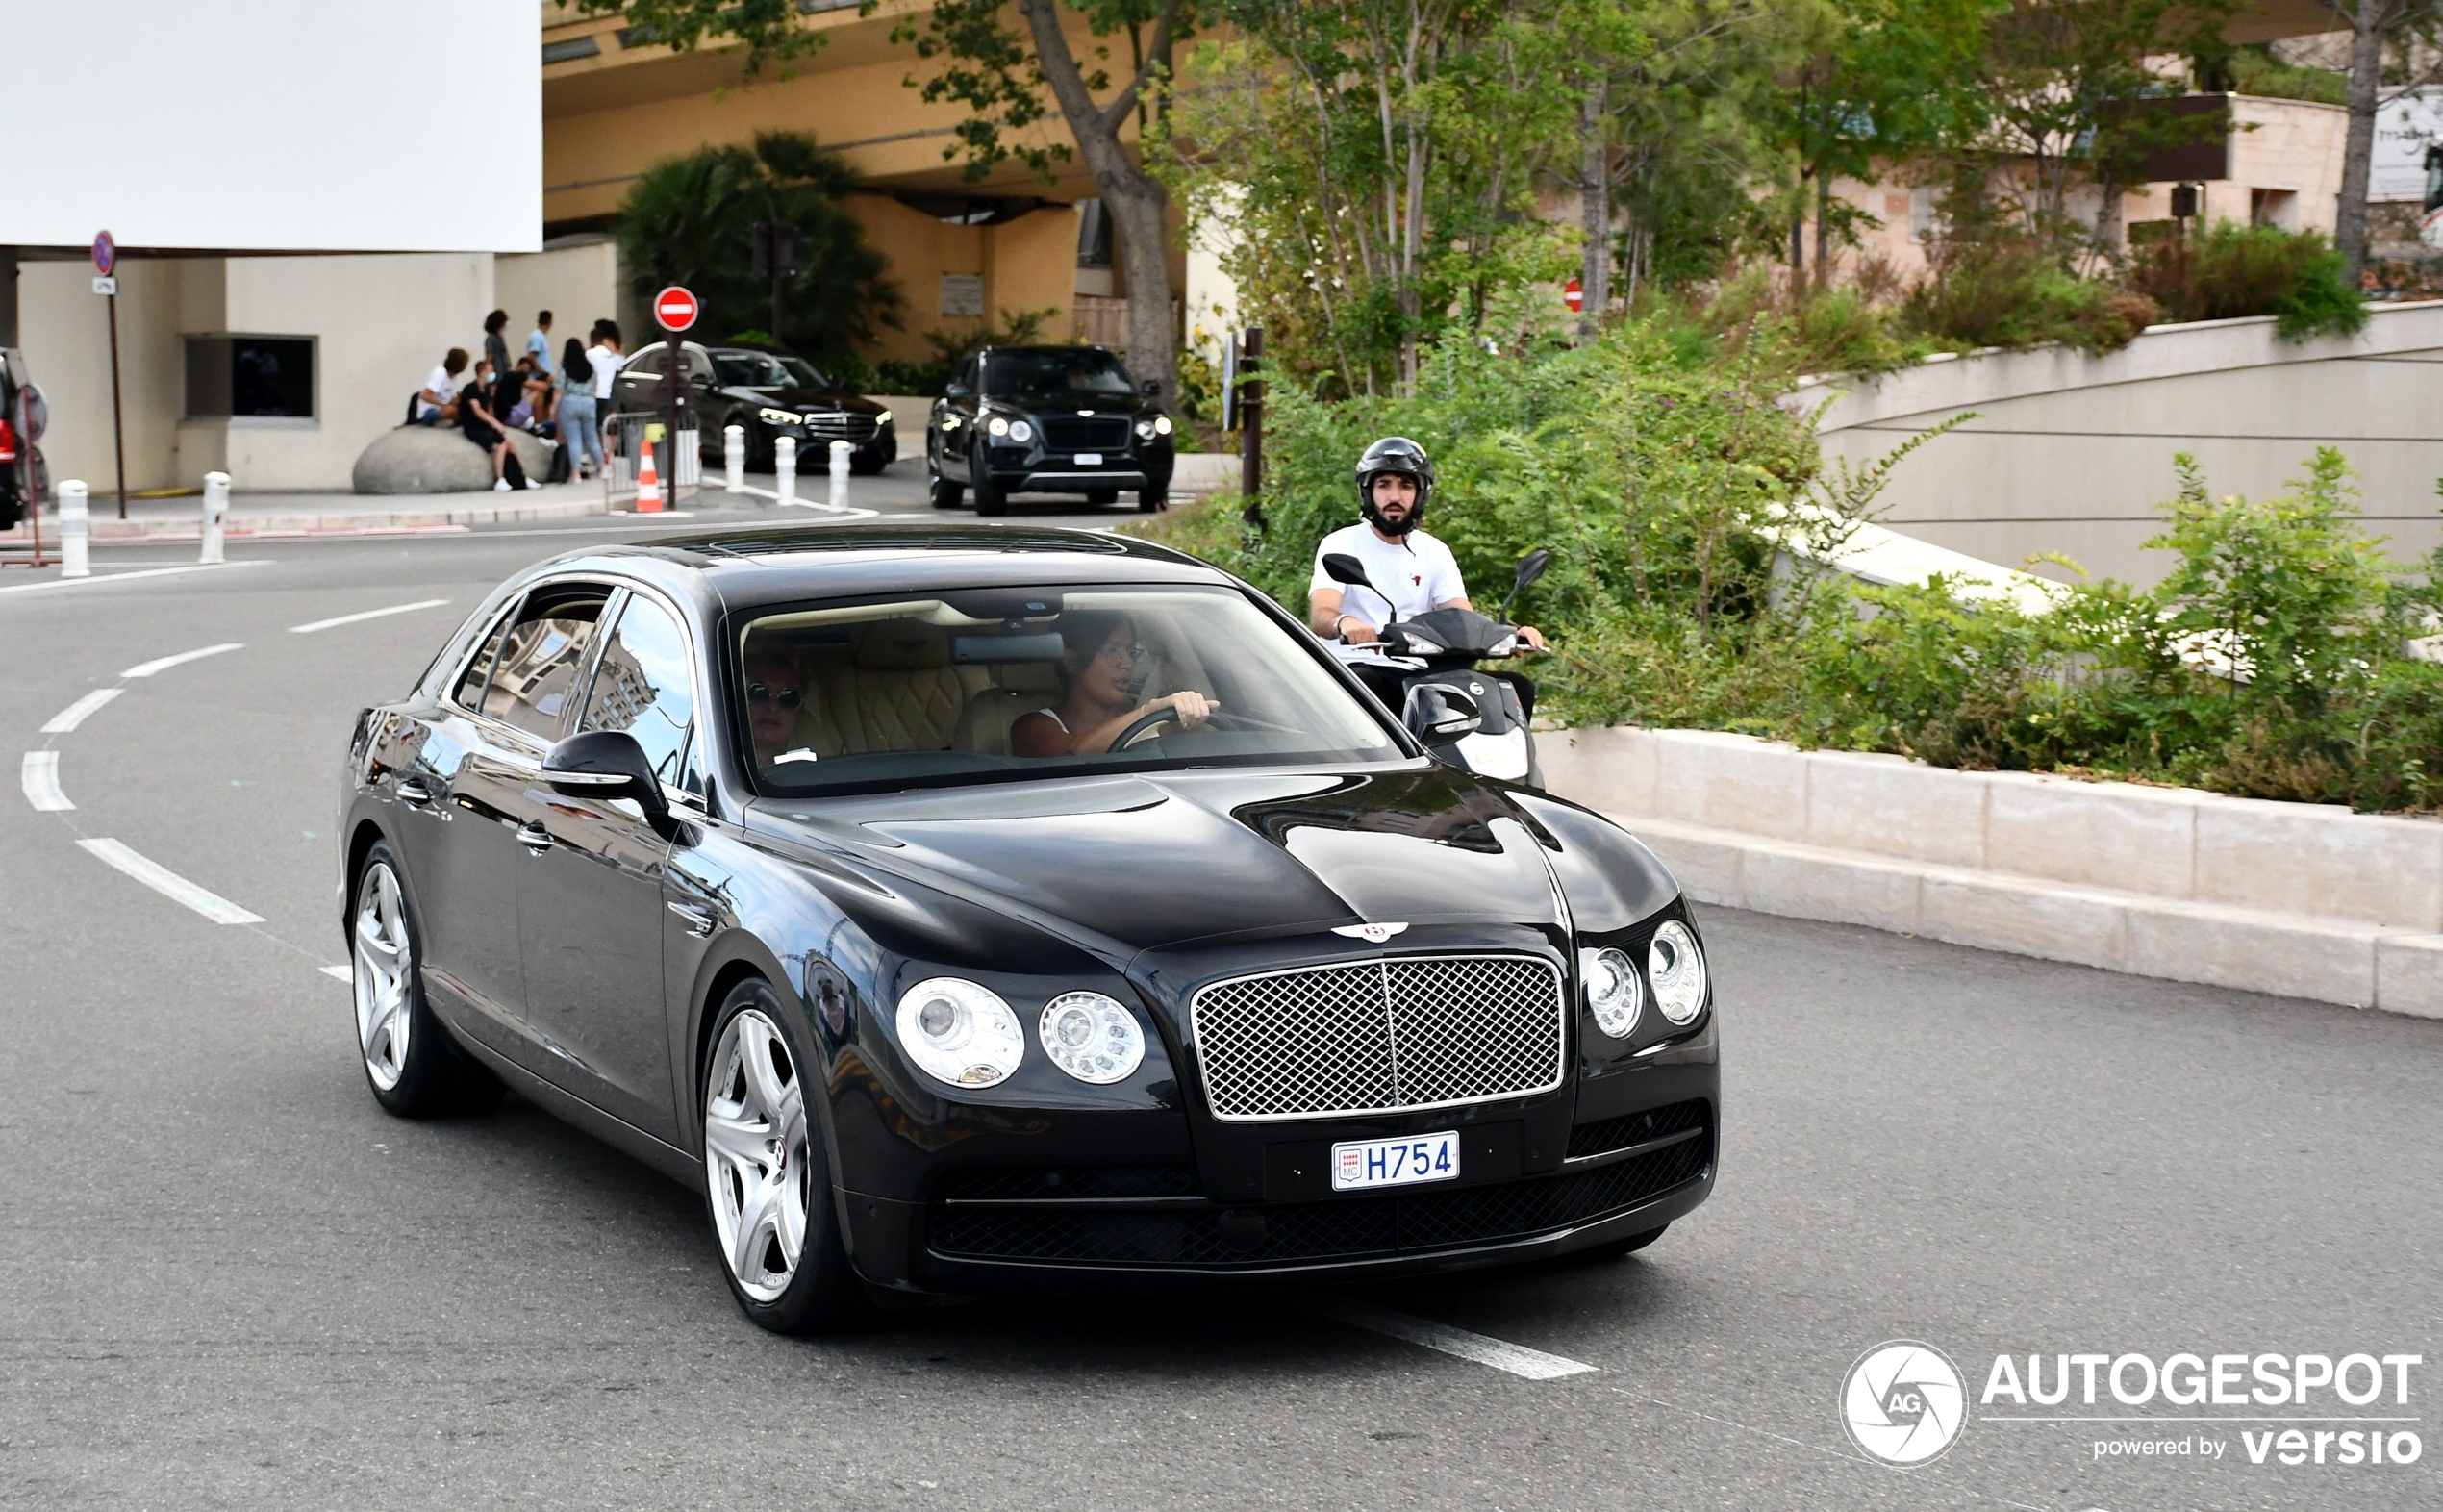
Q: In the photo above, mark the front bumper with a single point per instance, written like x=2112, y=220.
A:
x=1015, y=470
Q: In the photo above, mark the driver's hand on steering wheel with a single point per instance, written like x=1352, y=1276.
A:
x=1193, y=708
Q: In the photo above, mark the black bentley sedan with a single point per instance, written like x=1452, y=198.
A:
x=1047, y=419
x=769, y=395
x=1010, y=910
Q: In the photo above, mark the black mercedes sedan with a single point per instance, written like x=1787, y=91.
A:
x=1047, y=419
x=768, y=396
x=996, y=910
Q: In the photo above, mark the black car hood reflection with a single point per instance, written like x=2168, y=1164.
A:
x=1149, y=861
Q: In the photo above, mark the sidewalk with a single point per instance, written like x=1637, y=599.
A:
x=260, y=515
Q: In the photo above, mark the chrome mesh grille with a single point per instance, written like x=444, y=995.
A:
x=1379, y=1036
x=1084, y=432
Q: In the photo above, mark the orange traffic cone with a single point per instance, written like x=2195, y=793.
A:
x=649, y=483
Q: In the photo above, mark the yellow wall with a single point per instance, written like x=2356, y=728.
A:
x=1026, y=263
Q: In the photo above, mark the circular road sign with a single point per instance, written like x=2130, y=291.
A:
x=105, y=254
x=1574, y=296
x=675, y=307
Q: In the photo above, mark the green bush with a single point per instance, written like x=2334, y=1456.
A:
x=2235, y=270
x=2013, y=292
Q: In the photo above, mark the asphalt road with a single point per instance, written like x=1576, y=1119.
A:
x=228, y=1279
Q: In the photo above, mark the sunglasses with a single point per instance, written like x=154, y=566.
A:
x=1131, y=652
x=785, y=697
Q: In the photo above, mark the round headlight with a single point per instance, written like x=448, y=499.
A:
x=1091, y=1038
x=1145, y=430
x=1678, y=969
x=1612, y=989
x=1162, y=424
x=1020, y=431
x=959, y=1032
x=998, y=425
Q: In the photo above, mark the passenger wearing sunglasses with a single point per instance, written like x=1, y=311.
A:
x=1099, y=658
x=773, y=698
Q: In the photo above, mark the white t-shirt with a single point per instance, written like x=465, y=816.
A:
x=606, y=369
x=439, y=382
x=1415, y=572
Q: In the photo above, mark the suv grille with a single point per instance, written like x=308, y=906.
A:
x=1086, y=433
x=1383, y=1036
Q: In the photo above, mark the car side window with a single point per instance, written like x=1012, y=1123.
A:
x=647, y=363
x=641, y=686
x=535, y=672
x=967, y=372
x=699, y=364
x=470, y=691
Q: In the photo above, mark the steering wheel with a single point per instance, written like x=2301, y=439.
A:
x=1146, y=727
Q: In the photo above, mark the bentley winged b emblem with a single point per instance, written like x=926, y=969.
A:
x=1371, y=933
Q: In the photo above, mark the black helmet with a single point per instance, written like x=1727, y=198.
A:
x=1395, y=454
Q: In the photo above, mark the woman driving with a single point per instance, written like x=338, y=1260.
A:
x=1098, y=673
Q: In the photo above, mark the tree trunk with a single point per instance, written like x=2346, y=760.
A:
x=1824, y=230
x=1595, y=187
x=1136, y=202
x=2368, y=22
x=1799, y=242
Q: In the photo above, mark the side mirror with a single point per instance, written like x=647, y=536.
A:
x=1438, y=714
x=1531, y=567
x=1151, y=389
x=958, y=390
x=606, y=763
x=1342, y=567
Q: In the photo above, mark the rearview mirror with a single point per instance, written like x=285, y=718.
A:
x=606, y=763
x=1531, y=567
x=1438, y=714
x=1342, y=567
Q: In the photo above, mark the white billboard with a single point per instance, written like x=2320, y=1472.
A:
x=275, y=125
x=2404, y=129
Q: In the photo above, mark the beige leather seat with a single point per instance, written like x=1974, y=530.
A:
x=896, y=690
x=1019, y=689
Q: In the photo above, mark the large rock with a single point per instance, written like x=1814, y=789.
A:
x=437, y=459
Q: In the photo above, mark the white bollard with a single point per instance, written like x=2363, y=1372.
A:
x=734, y=458
x=785, y=468
x=216, y=515
x=840, y=450
x=72, y=529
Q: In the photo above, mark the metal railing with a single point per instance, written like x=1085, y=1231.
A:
x=678, y=462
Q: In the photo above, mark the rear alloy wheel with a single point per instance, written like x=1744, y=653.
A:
x=765, y=1178
x=410, y=1061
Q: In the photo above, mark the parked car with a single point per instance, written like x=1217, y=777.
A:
x=23, y=415
x=758, y=857
x=1047, y=419
x=767, y=394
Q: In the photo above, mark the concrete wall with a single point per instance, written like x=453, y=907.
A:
x=579, y=284
x=2071, y=453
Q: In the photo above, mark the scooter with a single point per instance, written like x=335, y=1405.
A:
x=1465, y=719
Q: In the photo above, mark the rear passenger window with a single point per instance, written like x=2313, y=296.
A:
x=641, y=686
x=535, y=672
x=469, y=692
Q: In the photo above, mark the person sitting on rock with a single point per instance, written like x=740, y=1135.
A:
x=480, y=425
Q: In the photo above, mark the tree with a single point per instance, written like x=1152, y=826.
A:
x=1002, y=74
x=770, y=30
x=2376, y=26
x=691, y=220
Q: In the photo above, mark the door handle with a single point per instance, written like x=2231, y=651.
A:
x=414, y=793
x=700, y=921
x=534, y=837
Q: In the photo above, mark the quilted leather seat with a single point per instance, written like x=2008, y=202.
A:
x=896, y=690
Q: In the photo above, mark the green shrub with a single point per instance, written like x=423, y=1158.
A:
x=2013, y=292
x=2235, y=270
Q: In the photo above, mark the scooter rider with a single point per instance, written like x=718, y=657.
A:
x=1413, y=572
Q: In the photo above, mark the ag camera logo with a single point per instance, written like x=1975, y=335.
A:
x=1903, y=1403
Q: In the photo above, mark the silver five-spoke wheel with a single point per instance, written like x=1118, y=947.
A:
x=384, y=965
x=755, y=1156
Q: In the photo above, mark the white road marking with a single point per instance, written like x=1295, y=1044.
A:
x=41, y=777
x=170, y=884
x=121, y=577
x=1516, y=1358
x=75, y=714
x=165, y=664
x=370, y=614
x=338, y=974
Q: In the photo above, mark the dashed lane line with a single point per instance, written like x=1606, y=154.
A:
x=39, y=776
x=165, y=663
x=370, y=614
x=167, y=883
x=338, y=974
x=122, y=577
x=1516, y=1358
x=77, y=712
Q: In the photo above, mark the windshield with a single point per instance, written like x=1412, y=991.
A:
x=1002, y=683
x=763, y=370
x=1068, y=369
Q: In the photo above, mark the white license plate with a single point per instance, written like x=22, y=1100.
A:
x=1366, y=1162
x=1090, y=458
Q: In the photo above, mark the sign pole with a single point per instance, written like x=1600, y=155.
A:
x=105, y=262
x=1251, y=427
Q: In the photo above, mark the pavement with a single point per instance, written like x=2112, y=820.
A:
x=228, y=1279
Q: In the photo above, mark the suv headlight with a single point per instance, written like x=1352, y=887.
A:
x=1678, y=969
x=1162, y=424
x=959, y=1032
x=1091, y=1038
x=998, y=425
x=1020, y=431
x=1145, y=430
x=1613, y=992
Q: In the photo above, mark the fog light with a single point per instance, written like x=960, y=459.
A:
x=1612, y=989
x=1678, y=969
x=959, y=1032
x=1091, y=1038
x=1020, y=431
x=998, y=426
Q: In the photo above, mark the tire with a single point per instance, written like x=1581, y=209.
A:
x=1621, y=1248
x=767, y=1174
x=946, y=494
x=413, y=1066
x=762, y=455
x=1099, y=497
x=989, y=500
x=1152, y=501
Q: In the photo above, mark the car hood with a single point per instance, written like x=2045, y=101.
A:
x=814, y=399
x=1063, y=402
x=1129, y=864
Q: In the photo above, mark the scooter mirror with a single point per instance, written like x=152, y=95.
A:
x=1531, y=567
x=1342, y=567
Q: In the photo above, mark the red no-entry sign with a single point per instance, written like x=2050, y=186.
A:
x=1574, y=296
x=675, y=307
